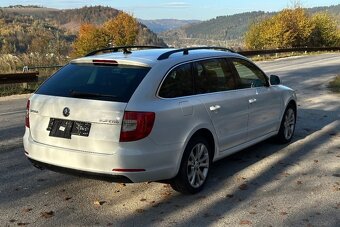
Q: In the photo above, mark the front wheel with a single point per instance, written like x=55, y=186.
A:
x=194, y=167
x=287, y=126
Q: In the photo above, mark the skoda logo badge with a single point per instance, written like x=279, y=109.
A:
x=66, y=112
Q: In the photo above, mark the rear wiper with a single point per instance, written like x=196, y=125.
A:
x=80, y=94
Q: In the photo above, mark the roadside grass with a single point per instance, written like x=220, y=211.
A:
x=17, y=89
x=334, y=85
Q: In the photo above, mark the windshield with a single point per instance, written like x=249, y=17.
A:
x=99, y=82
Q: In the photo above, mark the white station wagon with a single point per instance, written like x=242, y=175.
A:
x=157, y=114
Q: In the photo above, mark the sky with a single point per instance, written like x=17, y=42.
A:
x=177, y=9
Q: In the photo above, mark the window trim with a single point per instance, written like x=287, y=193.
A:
x=225, y=58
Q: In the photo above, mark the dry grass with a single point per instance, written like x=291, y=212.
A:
x=334, y=85
x=14, y=63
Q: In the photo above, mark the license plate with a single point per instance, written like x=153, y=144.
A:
x=65, y=128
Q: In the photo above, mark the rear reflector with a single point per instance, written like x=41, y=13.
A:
x=27, y=117
x=128, y=170
x=105, y=62
x=136, y=125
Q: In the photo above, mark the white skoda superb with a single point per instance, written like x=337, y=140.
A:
x=154, y=115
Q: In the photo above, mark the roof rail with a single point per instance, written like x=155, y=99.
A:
x=186, y=51
x=124, y=48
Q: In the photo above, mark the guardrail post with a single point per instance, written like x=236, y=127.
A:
x=25, y=85
x=25, y=69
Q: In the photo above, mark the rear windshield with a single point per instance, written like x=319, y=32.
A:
x=100, y=82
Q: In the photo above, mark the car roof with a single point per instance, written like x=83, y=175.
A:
x=150, y=57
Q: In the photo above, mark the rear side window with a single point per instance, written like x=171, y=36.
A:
x=178, y=83
x=100, y=82
x=213, y=76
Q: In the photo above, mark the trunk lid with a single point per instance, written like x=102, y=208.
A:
x=105, y=118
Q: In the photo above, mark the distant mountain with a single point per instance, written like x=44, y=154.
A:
x=71, y=19
x=226, y=30
x=162, y=25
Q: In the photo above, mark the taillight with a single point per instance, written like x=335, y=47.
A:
x=27, y=117
x=136, y=125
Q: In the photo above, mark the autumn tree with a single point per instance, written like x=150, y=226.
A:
x=292, y=28
x=90, y=37
x=121, y=30
x=325, y=31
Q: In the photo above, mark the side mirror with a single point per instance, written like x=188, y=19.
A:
x=274, y=80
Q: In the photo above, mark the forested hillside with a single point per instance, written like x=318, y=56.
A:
x=32, y=29
x=162, y=25
x=227, y=28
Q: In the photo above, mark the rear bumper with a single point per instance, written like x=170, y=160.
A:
x=158, y=162
x=79, y=173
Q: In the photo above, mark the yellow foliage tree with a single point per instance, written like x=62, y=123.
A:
x=90, y=38
x=121, y=30
x=292, y=28
x=325, y=30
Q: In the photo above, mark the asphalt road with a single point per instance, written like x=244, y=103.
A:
x=265, y=185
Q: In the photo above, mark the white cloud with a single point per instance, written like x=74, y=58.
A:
x=176, y=5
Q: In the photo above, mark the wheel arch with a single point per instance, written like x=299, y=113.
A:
x=206, y=133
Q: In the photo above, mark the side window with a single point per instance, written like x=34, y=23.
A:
x=178, y=83
x=213, y=76
x=249, y=75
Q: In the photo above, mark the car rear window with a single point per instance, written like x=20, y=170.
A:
x=100, y=82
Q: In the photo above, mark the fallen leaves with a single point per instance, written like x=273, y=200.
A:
x=47, y=214
x=166, y=193
x=22, y=223
x=140, y=210
x=243, y=187
x=99, y=203
x=286, y=174
x=245, y=222
x=229, y=196
x=283, y=213
x=299, y=182
x=26, y=210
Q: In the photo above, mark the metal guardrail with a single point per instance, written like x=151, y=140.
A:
x=250, y=53
x=24, y=77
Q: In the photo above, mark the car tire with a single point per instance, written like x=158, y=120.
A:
x=194, y=169
x=287, y=126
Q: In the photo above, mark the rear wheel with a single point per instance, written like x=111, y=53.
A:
x=287, y=126
x=194, y=168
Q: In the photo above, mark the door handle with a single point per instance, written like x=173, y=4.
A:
x=214, y=108
x=252, y=100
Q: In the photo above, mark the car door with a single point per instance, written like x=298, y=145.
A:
x=227, y=106
x=265, y=105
